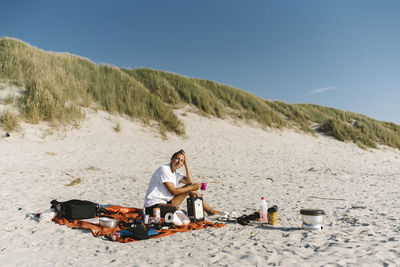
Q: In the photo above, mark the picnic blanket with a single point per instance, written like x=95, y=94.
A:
x=123, y=214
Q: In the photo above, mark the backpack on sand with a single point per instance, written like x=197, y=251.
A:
x=75, y=209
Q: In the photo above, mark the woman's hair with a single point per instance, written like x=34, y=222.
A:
x=177, y=153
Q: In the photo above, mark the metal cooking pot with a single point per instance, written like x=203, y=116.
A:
x=108, y=222
x=313, y=219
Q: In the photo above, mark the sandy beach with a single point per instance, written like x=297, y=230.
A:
x=359, y=190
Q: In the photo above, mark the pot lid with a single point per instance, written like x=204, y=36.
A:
x=312, y=212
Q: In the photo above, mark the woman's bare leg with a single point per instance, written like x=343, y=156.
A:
x=207, y=208
x=178, y=199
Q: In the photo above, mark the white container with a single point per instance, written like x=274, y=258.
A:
x=263, y=210
x=182, y=217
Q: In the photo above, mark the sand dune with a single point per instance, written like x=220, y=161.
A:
x=358, y=189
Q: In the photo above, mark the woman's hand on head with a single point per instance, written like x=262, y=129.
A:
x=184, y=156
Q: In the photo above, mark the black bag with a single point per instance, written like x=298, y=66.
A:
x=75, y=209
x=139, y=232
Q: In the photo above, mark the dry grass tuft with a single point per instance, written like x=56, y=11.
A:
x=9, y=121
x=117, y=127
x=74, y=182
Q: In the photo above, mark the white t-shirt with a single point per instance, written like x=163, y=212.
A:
x=158, y=193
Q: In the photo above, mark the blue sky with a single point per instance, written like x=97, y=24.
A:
x=338, y=53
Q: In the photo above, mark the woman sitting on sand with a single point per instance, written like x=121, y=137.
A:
x=163, y=191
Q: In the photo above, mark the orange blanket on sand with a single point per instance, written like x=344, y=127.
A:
x=123, y=214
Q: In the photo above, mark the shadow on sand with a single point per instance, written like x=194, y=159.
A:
x=279, y=228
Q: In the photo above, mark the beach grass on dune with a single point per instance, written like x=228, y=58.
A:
x=209, y=97
x=58, y=85
x=9, y=121
x=350, y=126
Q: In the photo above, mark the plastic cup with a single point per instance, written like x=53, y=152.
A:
x=203, y=186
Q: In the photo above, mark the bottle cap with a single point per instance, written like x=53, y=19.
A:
x=262, y=198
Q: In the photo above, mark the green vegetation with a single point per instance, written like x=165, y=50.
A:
x=209, y=97
x=292, y=113
x=58, y=85
x=350, y=126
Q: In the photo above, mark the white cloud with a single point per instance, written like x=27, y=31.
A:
x=321, y=90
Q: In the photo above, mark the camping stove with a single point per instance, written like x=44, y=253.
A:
x=312, y=226
x=313, y=219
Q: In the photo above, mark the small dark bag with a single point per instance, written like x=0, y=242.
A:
x=139, y=232
x=75, y=209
